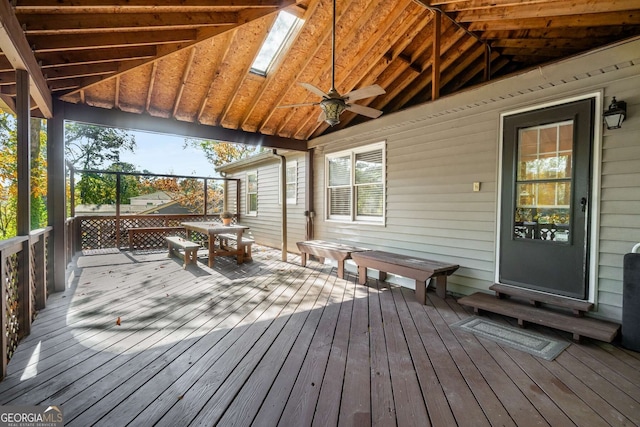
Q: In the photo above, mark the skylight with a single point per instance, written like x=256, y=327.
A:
x=278, y=36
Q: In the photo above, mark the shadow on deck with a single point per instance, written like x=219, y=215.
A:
x=138, y=340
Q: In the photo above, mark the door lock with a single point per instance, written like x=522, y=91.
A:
x=583, y=204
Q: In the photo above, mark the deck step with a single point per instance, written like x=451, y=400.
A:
x=578, y=326
x=535, y=298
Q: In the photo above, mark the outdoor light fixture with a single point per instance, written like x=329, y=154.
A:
x=332, y=108
x=615, y=115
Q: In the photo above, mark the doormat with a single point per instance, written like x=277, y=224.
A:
x=530, y=342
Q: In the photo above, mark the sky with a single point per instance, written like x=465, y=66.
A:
x=164, y=154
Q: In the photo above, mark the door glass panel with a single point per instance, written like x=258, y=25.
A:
x=543, y=182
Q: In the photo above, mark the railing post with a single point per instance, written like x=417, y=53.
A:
x=205, y=198
x=117, y=224
x=41, y=272
x=24, y=288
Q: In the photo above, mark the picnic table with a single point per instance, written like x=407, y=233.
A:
x=212, y=230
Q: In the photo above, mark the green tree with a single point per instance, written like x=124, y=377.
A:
x=100, y=188
x=219, y=153
x=94, y=147
x=9, y=177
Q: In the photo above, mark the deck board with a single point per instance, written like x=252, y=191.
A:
x=271, y=343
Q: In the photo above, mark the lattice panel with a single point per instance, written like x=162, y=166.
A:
x=10, y=281
x=33, y=278
x=155, y=240
x=98, y=233
x=142, y=221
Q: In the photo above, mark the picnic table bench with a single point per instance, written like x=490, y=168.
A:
x=418, y=269
x=323, y=249
x=190, y=249
x=142, y=237
x=245, y=243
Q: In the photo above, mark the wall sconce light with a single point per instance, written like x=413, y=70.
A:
x=615, y=115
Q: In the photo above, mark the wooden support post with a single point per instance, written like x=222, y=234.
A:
x=435, y=56
x=238, y=199
x=117, y=224
x=23, y=220
x=308, y=202
x=56, y=200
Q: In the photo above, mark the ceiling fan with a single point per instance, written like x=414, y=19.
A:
x=333, y=104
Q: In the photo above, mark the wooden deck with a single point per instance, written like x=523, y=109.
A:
x=271, y=343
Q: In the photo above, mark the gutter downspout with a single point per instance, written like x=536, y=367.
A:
x=283, y=202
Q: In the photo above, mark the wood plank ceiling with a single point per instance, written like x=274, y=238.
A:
x=190, y=59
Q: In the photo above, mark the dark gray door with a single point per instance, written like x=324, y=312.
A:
x=546, y=179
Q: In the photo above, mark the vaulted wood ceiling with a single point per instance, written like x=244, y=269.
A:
x=190, y=59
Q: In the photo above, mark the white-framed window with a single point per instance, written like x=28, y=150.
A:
x=355, y=184
x=252, y=193
x=291, y=183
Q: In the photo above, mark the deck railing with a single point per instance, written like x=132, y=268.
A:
x=103, y=232
x=26, y=281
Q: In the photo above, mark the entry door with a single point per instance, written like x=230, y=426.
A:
x=544, y=225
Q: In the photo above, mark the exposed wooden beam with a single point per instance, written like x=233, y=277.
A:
x=363, y=34
x=587, y=20
x=94, y=56
x=202, y=34
x=547, y=10
x=96, y=23
x=25, y=6
x=122, y=39
x=7, y=104
x=124, y=120
x=183, y=81
x=154, y=72
x=203, y=104
x=435, y=56
x=272, y=77
x=372, y=66
x=15, y=47
x=116, y=96
x=240, y=79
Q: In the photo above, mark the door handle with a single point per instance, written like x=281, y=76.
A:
x=583, y=204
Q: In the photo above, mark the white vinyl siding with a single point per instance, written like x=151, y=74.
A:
x=265, y=228
x=436, y=151
x=355, y=184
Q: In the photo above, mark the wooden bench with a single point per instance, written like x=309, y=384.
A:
x=246, y=243
x=135, y=232
x=322, y=250
x=190, y=249
x=418, y=269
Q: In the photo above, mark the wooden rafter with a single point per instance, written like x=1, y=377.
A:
x=177, y=59
x=183, y=83
x=15, y=48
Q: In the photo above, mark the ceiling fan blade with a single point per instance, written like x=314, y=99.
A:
x=365, y=92
x=304, y=104
x=365, y=111
x=312, y=88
